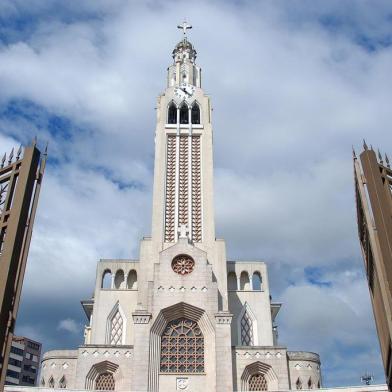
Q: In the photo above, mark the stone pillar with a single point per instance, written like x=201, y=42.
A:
x=224, y=375
x=141, y=320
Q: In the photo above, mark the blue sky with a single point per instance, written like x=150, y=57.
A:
x=294, y=86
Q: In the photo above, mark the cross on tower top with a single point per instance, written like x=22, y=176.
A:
x=184, y=26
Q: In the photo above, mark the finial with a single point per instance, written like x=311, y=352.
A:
x=354, y=155
x=46, y=149
x=379, y=156
x=387, y=161
x=11, y=156
x=19, y=152
x=184, y=26
x=35, y=141
x=3, y=160
x=365, y=147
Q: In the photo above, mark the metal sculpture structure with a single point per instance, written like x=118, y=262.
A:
x=20, y=182
x=373, y=188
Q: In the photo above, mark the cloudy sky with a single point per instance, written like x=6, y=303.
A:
x=294, y=85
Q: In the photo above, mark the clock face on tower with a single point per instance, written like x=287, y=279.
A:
x=185, y=90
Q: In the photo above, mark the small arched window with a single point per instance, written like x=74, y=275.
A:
x=318, y=385
x=106, y=279
x=195, y=114
x=184, y=114
x=310, y=384
x=256, y=281
x=132, y=280
x=51, y=383
x=172, y=114
x=258, y=382
x=119, y=279
x=232, y=281
x=244, y=281
x=105, y=382
x=42, y=382
x=298, y=384
x=62, y=383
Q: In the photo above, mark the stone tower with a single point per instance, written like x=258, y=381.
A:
x=182, y=316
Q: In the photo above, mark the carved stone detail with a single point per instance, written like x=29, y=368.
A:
x=196, y=190
x=183, y=182
x=170, y=189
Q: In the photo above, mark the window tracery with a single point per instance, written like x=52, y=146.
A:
x=116, y=331
x=182, y=347
x=105, y=382
x=246, y=330
x=183, y=264
x=258, y=382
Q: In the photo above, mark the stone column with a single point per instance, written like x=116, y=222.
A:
x=224, y=375
x=141, y=320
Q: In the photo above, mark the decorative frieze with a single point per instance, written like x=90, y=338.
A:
x=170, y=199
x=141, y=317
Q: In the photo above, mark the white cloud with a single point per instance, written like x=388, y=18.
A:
x=291, y=95
x=69, y=325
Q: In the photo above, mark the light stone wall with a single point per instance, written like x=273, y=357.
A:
x=106, y=299
x=59, y=363
x=258, y=301
x=304, y=365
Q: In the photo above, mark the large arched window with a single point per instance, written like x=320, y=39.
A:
x=182, y=347
x=195, y=114
x=232, y=281
x=119, y=279
x=244, y=281
x=257, y=382
x=256, y=281
x=105, y=382
x=116, y=326
x=184, y=114
x=172, y=114
x=246, y=329
x=132, y=280
x=106, y=280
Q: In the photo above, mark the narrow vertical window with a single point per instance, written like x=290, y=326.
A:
x=256, y=281
x=184, y=114
x=172, y=114
x=246, y=330
x=298, y=384
x=195, y=114
x=116, y=331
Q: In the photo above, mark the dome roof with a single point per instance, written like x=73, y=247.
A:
x=184, y=45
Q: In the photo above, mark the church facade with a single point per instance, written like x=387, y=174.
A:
x=183, y=317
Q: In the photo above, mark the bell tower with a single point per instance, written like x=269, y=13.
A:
x=183, y=184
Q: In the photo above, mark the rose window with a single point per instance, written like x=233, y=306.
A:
x=183, y=264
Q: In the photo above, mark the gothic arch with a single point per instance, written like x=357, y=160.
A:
x=116, y=326
x=257, y=281
x=106, y=282
x=119, y=279
x=244, y=281
x=184, y=113
x=232, y=281
x=164, y=317
x=247, y=314
x=172, y=113
x=132, y=280
x=259, y=368
x=195, y=113
x=63, y=383
x=100, y=368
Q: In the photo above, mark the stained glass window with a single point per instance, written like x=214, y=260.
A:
x=182, y=347
x=105, y=382
x=246, y=330
x=257, y=382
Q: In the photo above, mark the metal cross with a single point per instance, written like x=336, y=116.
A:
x=184, y=26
